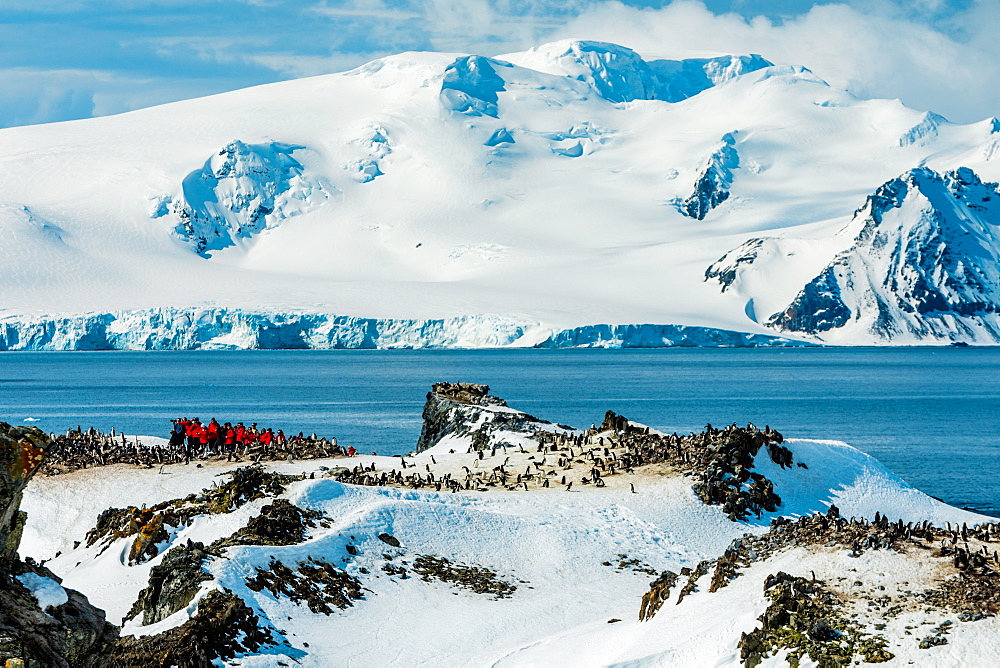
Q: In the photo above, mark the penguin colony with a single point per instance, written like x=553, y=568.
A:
x=974, y=553
x=719, y=459
x=79, y=449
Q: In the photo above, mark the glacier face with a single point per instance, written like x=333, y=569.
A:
x=923, y=265
x=236, y=329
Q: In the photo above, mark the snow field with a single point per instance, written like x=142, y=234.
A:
x=556, y=541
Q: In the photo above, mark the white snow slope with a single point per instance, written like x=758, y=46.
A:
x=574, y=185
x=551, y=543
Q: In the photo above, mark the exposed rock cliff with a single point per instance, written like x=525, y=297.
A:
x=714, y=182
x=41, y=623
x=921, y=265
x=467, y=410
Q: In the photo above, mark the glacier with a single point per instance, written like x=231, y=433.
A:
x=214, y=328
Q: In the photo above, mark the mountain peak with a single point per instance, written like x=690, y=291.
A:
x=924, y=264
x=619, y=74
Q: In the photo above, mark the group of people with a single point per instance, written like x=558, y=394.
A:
x=214, y=436
x=201, y=439
x=189, y=440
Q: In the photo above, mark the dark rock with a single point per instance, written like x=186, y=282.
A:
x=388, y=540
x=452, y=409
x=714, y=182
x=318, y=584
x=173, y=583
x=279, y=523
x=74, y=633
x=222, y=628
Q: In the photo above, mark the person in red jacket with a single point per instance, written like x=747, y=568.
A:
x=351, y=451
x=190, y=431
x=241, y=434
x=203, y=438
x=265, y=437
x=213, y=433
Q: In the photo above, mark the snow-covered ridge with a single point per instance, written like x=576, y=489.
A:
x=922, y=265
x=237, y=329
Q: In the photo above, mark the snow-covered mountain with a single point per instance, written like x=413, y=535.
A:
x=575, y=187
x=922, y=264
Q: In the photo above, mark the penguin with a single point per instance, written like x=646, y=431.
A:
x=632, y=486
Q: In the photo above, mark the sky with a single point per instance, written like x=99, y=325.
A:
x=70, y=59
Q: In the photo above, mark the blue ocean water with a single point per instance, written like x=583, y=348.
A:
x=931, y=415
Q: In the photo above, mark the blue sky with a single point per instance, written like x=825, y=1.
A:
x=67, y=59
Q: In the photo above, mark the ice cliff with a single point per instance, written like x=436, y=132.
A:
x=619, y=74
x=220, y=328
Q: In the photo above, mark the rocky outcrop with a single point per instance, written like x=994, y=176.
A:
x=319, y=584
x=147, y=527
x=720, y=460
x=714, y=181
x=279, y=523
x=920, y=265
x=222, y=628
x=467, y=410
x=173, y=583
x=21, y=452
x=804, y=619
x=727, y=269
x=41, y=623
x=924, y=265
x=477, y=579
